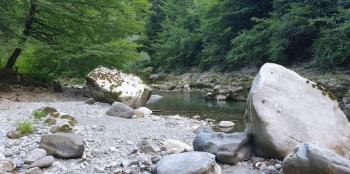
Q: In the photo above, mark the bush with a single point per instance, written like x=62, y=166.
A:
x=25, y=127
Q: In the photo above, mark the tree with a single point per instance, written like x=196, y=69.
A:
x=223, y=22
x=82, y=29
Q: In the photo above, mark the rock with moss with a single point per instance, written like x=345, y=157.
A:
x=285, y=109
x=61, y=125
x=110, y=85
x=43, y=112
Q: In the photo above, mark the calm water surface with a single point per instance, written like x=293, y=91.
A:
x=194, y=103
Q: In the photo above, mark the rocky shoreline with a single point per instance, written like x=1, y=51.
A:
x=236, y=85
x=293, y=126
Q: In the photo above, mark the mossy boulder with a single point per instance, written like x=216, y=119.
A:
x=110, y=85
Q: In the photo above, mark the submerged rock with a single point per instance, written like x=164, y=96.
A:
x=188, y=163
x=120, y=109
x=63, y=145
x=228, y=148
x=285, y=109
x=315, y=158
x=110, y=85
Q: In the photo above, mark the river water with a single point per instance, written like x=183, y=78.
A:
x=195, y=103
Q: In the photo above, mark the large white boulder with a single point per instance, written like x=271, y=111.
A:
x=285, y=109
x=110, y=85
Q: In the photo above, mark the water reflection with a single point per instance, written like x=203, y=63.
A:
x=194, y=103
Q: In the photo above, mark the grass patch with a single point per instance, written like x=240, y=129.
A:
x=25, y=127
x=38, y=114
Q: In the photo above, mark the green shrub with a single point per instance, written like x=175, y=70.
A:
x=25, y=127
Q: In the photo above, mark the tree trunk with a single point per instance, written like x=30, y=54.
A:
x=26, y=32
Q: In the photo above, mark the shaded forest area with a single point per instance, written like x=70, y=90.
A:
x=68, y=38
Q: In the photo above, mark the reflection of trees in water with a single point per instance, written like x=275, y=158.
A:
x=195, y=103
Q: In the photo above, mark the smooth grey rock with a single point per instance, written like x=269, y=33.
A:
x=110, y=85
x=34, y=155
x=120, y=109
x=188, y=163
x=315, y=158
x=228, y=148
x=285, y=109
x=63, y=145
x=43, y=162
x=34, y=170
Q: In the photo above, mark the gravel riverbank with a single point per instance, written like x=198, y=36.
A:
x=110, y=140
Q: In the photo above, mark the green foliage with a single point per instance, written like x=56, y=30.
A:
x=69, y=38
x=332, y=49
x=38, y=114
x=234, y=33
x=25, y=127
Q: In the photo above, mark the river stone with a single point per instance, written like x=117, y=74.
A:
x=34, y=170
x=43, y=162
x=188, y=163
x=142, y=112
x=110, y=85
x=313, y=157
x=34, y=155
x=120, y=109
x=226, y=124
x=63, y=145
x=228, y=148
x=285, y=109
x=176, y=146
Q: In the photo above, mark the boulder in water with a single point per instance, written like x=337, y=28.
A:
x=285, y=109
x=110, y=85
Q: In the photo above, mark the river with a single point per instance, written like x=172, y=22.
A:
x=195, y=103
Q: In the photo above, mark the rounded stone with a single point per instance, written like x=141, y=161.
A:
x=188, y=162
x=226, y=124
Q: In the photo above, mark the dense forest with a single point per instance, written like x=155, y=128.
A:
x=68, y=38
